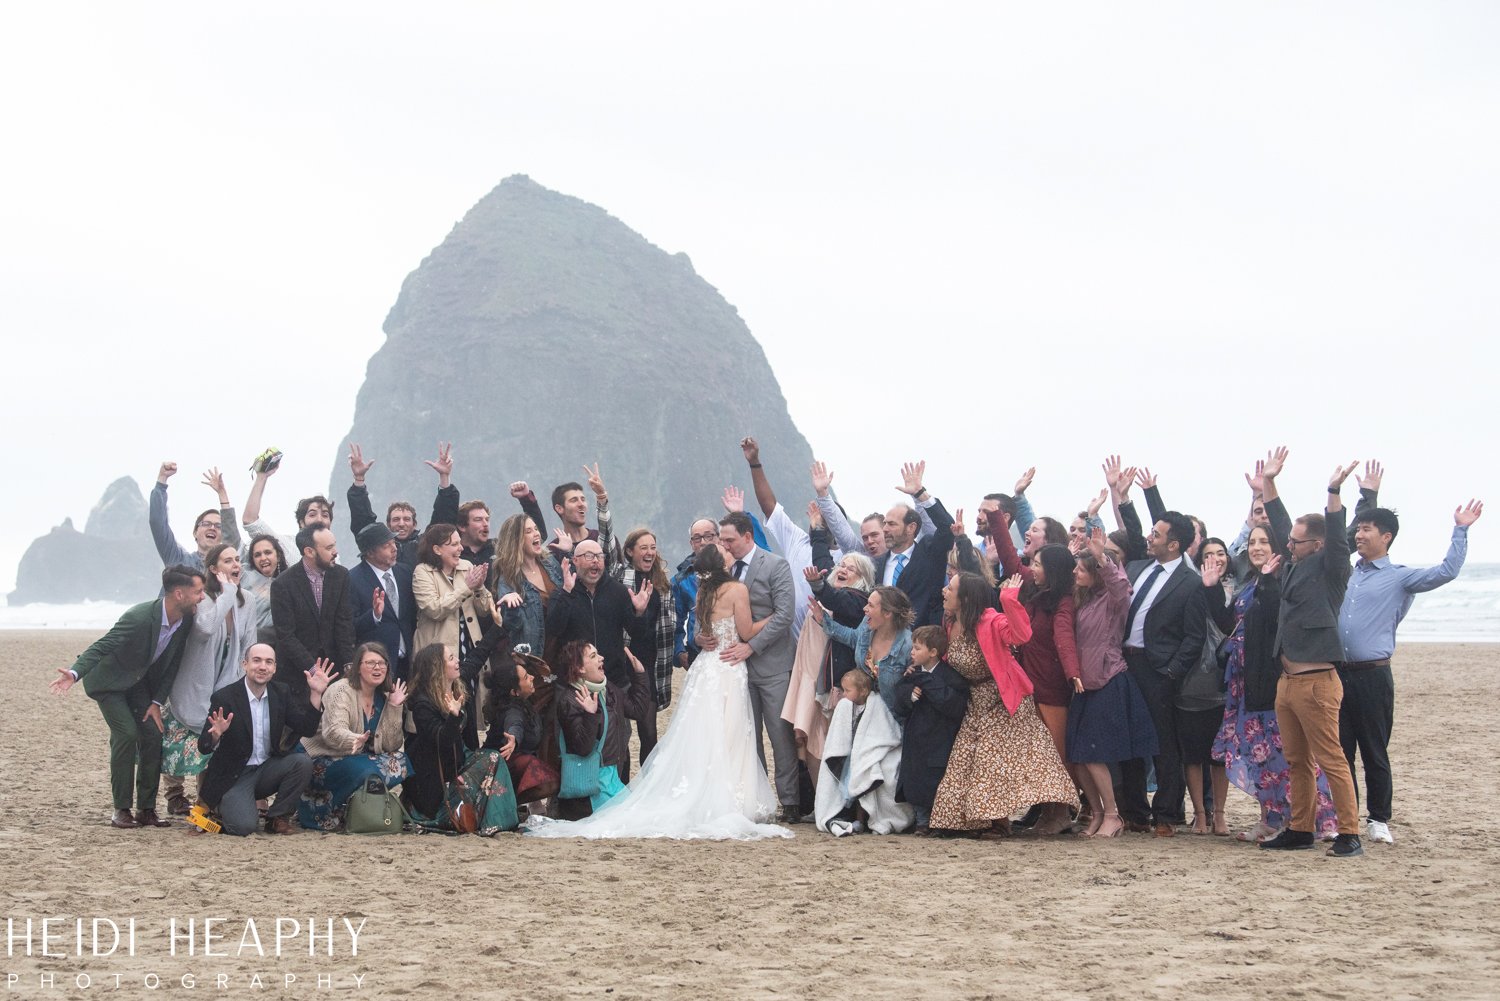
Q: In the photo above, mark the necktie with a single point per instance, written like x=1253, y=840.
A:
x=739, y=569
x=900, y=565
x=390, y=598
x=1140, y=596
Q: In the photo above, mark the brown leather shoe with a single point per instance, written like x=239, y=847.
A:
x=1136, y=827
x=279, y=825
x=1165, y=830
x=148, y=818
x=179, y=806
x=123, y=820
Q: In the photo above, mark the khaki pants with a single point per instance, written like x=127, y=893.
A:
x=1307, y=711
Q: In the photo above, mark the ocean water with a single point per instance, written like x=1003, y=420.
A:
x=1465, y=611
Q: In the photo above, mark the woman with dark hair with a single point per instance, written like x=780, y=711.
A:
x=881, y=642
x=1003, y=760
x=267, y=561
x=1199, y=704
x=450, y=788
x=223, y=629
x=1108, y=720
x=452, y=606
x=1044, y=531
x=361, y=735
x=1249, y=740
x=597, y=713
x=653, y=644
x=525, y=576
x=516, y=731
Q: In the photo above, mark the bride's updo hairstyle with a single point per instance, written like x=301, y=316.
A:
x=711, y=576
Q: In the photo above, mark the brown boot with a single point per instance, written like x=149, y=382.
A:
x=148, y=818
x=123, y=820
x=279, y=825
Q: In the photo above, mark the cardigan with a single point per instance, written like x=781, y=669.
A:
x=996, y=633
x=1099, y=626
x=343, y=720
x=213, y=654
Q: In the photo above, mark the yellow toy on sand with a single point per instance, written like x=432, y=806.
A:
x=198, y=817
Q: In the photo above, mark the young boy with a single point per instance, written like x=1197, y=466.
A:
x=931, y=698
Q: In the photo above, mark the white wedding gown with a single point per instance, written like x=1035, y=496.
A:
x=703, y=780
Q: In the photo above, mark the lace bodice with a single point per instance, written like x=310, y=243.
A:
x=725, y=632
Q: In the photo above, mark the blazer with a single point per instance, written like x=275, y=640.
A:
x=304, y=632
x=121, y=658
x=392, y=627
x=361, y=514
x=924, y=575
x=930, y=725
x=441, y=603
x=773, y=595
x=343, y=720
x=1177, y=621
x=1312, y=590
x=292, y=717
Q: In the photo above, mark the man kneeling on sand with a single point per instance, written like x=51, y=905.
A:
x=253, y=731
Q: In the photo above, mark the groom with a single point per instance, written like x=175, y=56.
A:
x=767, y=657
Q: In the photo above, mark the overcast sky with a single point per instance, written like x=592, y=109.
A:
x=991, y=235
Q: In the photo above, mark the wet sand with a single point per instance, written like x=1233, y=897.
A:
x=897, y=917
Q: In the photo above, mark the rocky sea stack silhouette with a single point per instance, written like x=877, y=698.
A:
x=544, y=333
x=112, y=559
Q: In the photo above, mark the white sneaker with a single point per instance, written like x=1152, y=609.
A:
x=1381, y=833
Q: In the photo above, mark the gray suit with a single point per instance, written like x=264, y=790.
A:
x=769, y=669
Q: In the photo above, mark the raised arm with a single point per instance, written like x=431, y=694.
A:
x=445, y=503
x=361, y=514
x=838, y=525
x=167, y=546
x=764, y=495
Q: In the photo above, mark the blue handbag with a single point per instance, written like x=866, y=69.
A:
x=580, y=773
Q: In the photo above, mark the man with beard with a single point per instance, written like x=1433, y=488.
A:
x=311, y=610
x=703, y=532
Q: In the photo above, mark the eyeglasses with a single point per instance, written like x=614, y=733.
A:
x=1298, y=542
x=588, y=556
x=210, y=524
x=703, y=537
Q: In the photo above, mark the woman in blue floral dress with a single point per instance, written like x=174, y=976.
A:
x=1250, y=739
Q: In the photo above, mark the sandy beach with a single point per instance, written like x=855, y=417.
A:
x=893, y=917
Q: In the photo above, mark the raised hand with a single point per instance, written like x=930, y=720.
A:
x=224, y=583
x=1096, y=540
x=733, y=499
x=822, y=479
x=443, y=464
x=814, y=516
x=218, y=723
x=1025, y=480
x=397, y=695
x=357, y=464
x=1374, y=473
x=519, y=490
x=1213, y=573
x=453, y=704
x=587, y=701
x=1466, y=515
x=641, y=600
x=1340, y=474
x=1111, y=469
x=563, y=542
x=569, y=575
x=1127, y=480
x=635, y=663
x=813, y=575
x=321, y=675
x=1012, y=582
x=1146, y=478
x=512, y=600
x=476, y=575
x=751, y=450
x=377, y=603
x=1275, y=459
x=166, y=472
x=912, y=474
x=958, y=524
x=1271, y=565
x=1097, y=503
x=62, y=682
x=596, y=482
x=1257, y=479
x=214, y=480
x=816, y=610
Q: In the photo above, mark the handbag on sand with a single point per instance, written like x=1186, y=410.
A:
x=374, y=809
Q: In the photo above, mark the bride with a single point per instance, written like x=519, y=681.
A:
x=705, y=778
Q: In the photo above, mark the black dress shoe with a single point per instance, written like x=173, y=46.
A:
x=1346, y=846
x=148, y=818
x=1289, y=840
x=788, y=815
x=123, y=820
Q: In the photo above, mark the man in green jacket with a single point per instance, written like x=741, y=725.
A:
x=129, y=671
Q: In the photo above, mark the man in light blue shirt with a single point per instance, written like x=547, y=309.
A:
x=1379, y=596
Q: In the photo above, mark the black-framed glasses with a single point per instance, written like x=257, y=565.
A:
x=1298, y=542
x=588, y=556
x=703, y=537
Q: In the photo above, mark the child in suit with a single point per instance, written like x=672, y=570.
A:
x=931, y=698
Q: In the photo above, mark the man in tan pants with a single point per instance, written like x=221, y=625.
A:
x=1313, y=581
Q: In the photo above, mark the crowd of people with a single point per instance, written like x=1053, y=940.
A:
x=1053, y=676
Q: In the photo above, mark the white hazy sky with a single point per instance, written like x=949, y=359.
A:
x=990, y=235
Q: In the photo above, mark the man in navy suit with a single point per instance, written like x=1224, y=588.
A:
x=385, y=611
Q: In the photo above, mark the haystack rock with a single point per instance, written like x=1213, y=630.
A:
x=544, y=333
x=112, y=559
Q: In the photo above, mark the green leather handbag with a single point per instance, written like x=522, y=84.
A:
x=374, y=809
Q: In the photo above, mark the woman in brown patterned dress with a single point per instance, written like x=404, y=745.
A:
x=1003, y=760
